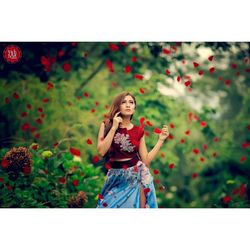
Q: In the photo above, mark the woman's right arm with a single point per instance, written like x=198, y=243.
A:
x=103, y=145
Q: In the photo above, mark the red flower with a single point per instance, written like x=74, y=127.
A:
x=178, y=78
x=168, y=72
x=234, y=66
x=113, y=47
x=196, y=151
x=134, y=59
x=216, y=139
x=194, y=175
x=93, y=110
x=227, y=199
x=182, y=140
x=156, y=171
x=203, y=124
x=157, y=181
x=149, y=123
x=75, y=151
x=28, y=106
x=25, y=126
x=196, y=64
x=40, y=110
x=95, y=159
x=127, y=69
x=242, y=190
x=142, y=119
x=16, y=96
x=205, y=147
x=75, y=182
x=171, y=165
x=200, y=72
x=34, y=147
x=39, y=121
x=86, y=94
x=187, y=83
x=45, y=100
x=138, y=76
x=157, y=131
x=107, y=166
x=243, y=158
x=62, y=180
x=4, y=163
x=210, y=58
x=37, y=135
x=24, y=114
x=211, y=70
x=202, y=159
x=66, y=67
x=89, y=141
x=166, y=51
x=187, y=132
x=142, y=91
x=7, y=100
x=227, y=82
x=110, y=66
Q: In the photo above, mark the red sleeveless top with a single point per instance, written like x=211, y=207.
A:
x=126, y=142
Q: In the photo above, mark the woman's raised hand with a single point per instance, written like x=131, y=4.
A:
x=116, y=120
x=164, y=133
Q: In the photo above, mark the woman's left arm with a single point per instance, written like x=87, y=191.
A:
x=148, y=157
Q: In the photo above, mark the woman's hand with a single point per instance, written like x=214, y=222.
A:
x=164, y=133
x=116, y=120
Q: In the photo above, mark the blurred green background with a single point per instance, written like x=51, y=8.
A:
x=54, y=99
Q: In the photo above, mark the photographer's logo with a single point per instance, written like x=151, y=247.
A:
x=12, y=54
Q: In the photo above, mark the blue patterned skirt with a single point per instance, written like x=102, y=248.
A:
x=122, y=188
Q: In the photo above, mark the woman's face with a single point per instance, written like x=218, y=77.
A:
x=127, y=106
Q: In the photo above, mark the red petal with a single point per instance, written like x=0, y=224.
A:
x=203, y=124
x=25, y=126
x=178, y=78
x=196, y=151
x=66, y=67
x=167, y=71
x=7, y=100
x=200, y=72
x=75, y=151
x=45, y=100
x=134, y=59
x=196, y=64
x=4, y=163
x=210, y=58
x=187, y=83
x=113, y=47
x=166, y=51
x=146, y=190
x=95, y=159
x=127, y=69
x=211, y=70
x=171, y=165
x=138, y=76
x=156, y=171
x=157, y=131
x=142, y=91
x=16, y=96
x=149, y=123
x=205, y=147
x=89, y=141
x=187, y=132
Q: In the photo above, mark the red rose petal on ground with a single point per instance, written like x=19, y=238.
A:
x=211, y=70
x=196, y=64
x=75, y=183
x=66, y=67
x=127, y=69
x=7, y=100
x=196, y=151
x=24, y=114
x=243, y=158
x=247, y=70
x=187, y=83
x=178, y=78
x=203, y=124
x=142, y=91
x=210, y=58
x=227, y=199
x=4, y=163
x=194, y=175
x=166, y=51
x=75, y=152
x=113, y=47
x=95, y=159
x=138, y=76
x=157, y=130
x=168, y=72
x=89, y=141
x=171, y=165
x=246, y=60
x=200, y=72
x=156, y=171
x=25, y=126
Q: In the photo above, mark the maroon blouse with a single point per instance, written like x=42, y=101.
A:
x=126, y=142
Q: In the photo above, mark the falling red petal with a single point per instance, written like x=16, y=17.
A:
x=16, y=96
x=157, y=130
x=75, y=152
x=200, y=72
x=7, y=100
x=196, y=64
x=178, y=78
x=203, y=124
x=168, y=72
x=211, y=70
x=4, y=163
x=171, y=165
x=89, y=142
x=138, y=76
x=210, y=58
x=142, y=91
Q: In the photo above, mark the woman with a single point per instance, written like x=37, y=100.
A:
x=128, y=183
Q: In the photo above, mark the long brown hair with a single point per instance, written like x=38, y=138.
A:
x=115, y=107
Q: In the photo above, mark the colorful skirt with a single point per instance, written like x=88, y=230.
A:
x=122, y=188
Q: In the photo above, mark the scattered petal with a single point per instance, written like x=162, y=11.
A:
x=157, y=130
x=75, y=152
x=210, y=58
x=89, y=141
x=196, y=64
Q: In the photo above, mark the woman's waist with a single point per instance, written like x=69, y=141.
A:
x=124, y=163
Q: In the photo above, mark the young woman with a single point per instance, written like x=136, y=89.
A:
x=128, y=183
